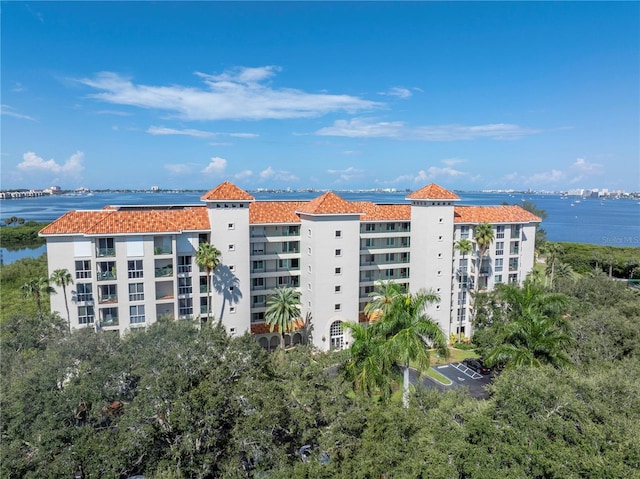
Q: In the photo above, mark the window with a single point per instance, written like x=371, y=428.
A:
x=106, y=247
x=257, y=265
x=391, y=226
x=464, y=231
x=389, y=273
x=136, y=314
x=309, y=286
x=338, y=234
x=203, y=238
x=499, y=264
x=309, y=232
x=184, y=285
x=440, y=238
x=337, y=307
x=513, y=278
x=232, y=309
x=370, y=227
x=440, y=220
x=464, y=265
x=515, y=231
x=369, y=242
x=338, y=252
x=336, y=336
x=109, y=317
x=338, y=271
x=309, y=250
x=337, y=288
x=185, y=306
x=162, y=245
x=231, y=226
x=184, y=264
x=257, y=317
x=500, y=231
x=232, y=247
x=84, y=292
x=390, y=257
x=258, y=283
x=136, y=292
x=108, y=293
x=498, y=279
x=290, y=246
x=499, y=248
x=85, y=315
x=232, y=267
x=259, y=300
x=462, y=298
x=439, y=273
x=391, y=241
x=83, y=269
x=134, y=268
x=439, y=255
x=515, y=247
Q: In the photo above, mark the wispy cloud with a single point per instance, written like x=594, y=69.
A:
x=32, y=162
x=583, y=166
x=369, y=128
x=6, y=110
x=430, y=174
x=161, y=130
x=179, y=168
x=244, y=135
x=18, y=88
x=240, y=93
x=399, y=92
x=243, y=175
x=113, y=112
x=270, y=174
x=346, y=174
x=216, y=166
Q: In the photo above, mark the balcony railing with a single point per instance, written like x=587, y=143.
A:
x=108, y=298
x=109, y=321
x=514, y=251
x=162, y=295
x=106, y=275
x=164, y=271
x=158, y=251
x=102, y=252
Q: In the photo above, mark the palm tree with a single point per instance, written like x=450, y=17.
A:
x=283, y=307
x=465, y=247
x=208, y=257
x=552, y=250
x=36, y=288
x=382, y=299
x=408, y=333
x=536, y=332
x=365, y=367
x=62, y=277
x=483, y=237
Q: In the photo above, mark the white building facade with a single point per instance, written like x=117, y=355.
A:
x=133, y=265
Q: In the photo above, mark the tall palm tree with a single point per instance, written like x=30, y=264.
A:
x=283, y=307
x=382, y=299
x=364, y=367
x=409, y=333
x=37, y=288
x=465, y=247
x=62, y=277
x=208, y=257
x=552, y=250
x=483, y=235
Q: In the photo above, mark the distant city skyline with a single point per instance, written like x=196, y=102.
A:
x=347, y=95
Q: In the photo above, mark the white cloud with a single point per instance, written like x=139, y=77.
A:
x=352, y=152
x=240, y=93
x=113, y=112
x=547, y=176
x=216, y=166
x=32, y=162
x=179, y=168
x=6, y=110
x=347, y=174
x=430, y=174
x=397, y=91
x=584, y=166
x=271, y=174
x=244, y=135
x=453, y=161
x=243, y=175
x=369, y=128
x=18, y=88
x=160, y=130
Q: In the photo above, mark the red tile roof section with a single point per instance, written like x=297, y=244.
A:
x=329, y=204
x=433, y=192
x=112, y=221
x=493, y=214
x=226, y=191
x=373, y=212
x=275, y=211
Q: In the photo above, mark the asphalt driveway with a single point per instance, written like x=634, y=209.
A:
x=475, y=383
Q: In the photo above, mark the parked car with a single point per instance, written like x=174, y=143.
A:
x=477, y=365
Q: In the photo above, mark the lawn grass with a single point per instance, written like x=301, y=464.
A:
x=455, y=356
x=432, y=373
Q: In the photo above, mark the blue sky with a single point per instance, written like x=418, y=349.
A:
x=321, y=95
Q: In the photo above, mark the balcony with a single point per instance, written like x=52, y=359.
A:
x=108, y=298
x=160, y=251
x=109, y=320
x=107, y=275
x=164, y=272
x=514, y=251
x=102, y=252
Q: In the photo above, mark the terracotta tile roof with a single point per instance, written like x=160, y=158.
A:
x=373, y=212
x=114, y=221
x=226, y=191
x=433, y=192
x=274, y=211
x=329, y=204
x=493, y=214
x=264, y=328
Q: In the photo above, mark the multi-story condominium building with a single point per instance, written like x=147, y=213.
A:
x=134, y=264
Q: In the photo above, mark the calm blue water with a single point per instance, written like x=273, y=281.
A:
x=614, y=222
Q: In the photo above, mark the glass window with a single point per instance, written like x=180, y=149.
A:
x=185, y=306
x=336, y=336
x=83, y=269
x=106, y=247
x=184, y=285
x=184, y=264
x=136, y=314
x=84, y=292
x=134, y=268
x=85, y=315
x=136, y=292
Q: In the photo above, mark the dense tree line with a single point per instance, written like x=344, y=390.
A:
x=22, y=235
x=177, y=400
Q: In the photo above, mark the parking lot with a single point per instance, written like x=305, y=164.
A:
x=460, y=376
